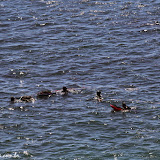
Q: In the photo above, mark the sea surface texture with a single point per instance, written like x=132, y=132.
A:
x=112, y=46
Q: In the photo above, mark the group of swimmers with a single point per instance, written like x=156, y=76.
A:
x=115, y=108
x=41, y=94
x=65, y=91
x=44, y=94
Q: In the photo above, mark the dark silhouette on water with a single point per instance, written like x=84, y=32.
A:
x=125, y=107
x=45, y=93
x=65, y=90
x=99, y=96
x=22, y=99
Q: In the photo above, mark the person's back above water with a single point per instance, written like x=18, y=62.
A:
x=45, y=93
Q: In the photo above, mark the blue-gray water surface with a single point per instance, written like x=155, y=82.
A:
x=111, y=46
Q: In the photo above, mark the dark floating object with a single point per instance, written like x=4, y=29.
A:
x=46, y=93
x=22, y=99
x=65, y=91
x=125, y=107
x=98, y=97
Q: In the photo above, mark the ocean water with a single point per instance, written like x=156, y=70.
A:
x=111, y=46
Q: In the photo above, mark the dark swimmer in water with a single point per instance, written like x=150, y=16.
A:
x=45, y=93
x=98, y=97
x=65, y=91
x=22, y=99
x=124, y=107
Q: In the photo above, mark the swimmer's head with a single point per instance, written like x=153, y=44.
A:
x=64, y=89
x=12, y=99
x=99, y=93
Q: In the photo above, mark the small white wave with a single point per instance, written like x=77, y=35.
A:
x=6, y=156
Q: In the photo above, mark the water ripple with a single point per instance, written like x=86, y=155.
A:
x=95, y=45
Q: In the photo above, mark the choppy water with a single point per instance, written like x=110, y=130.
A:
x=112, y=46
